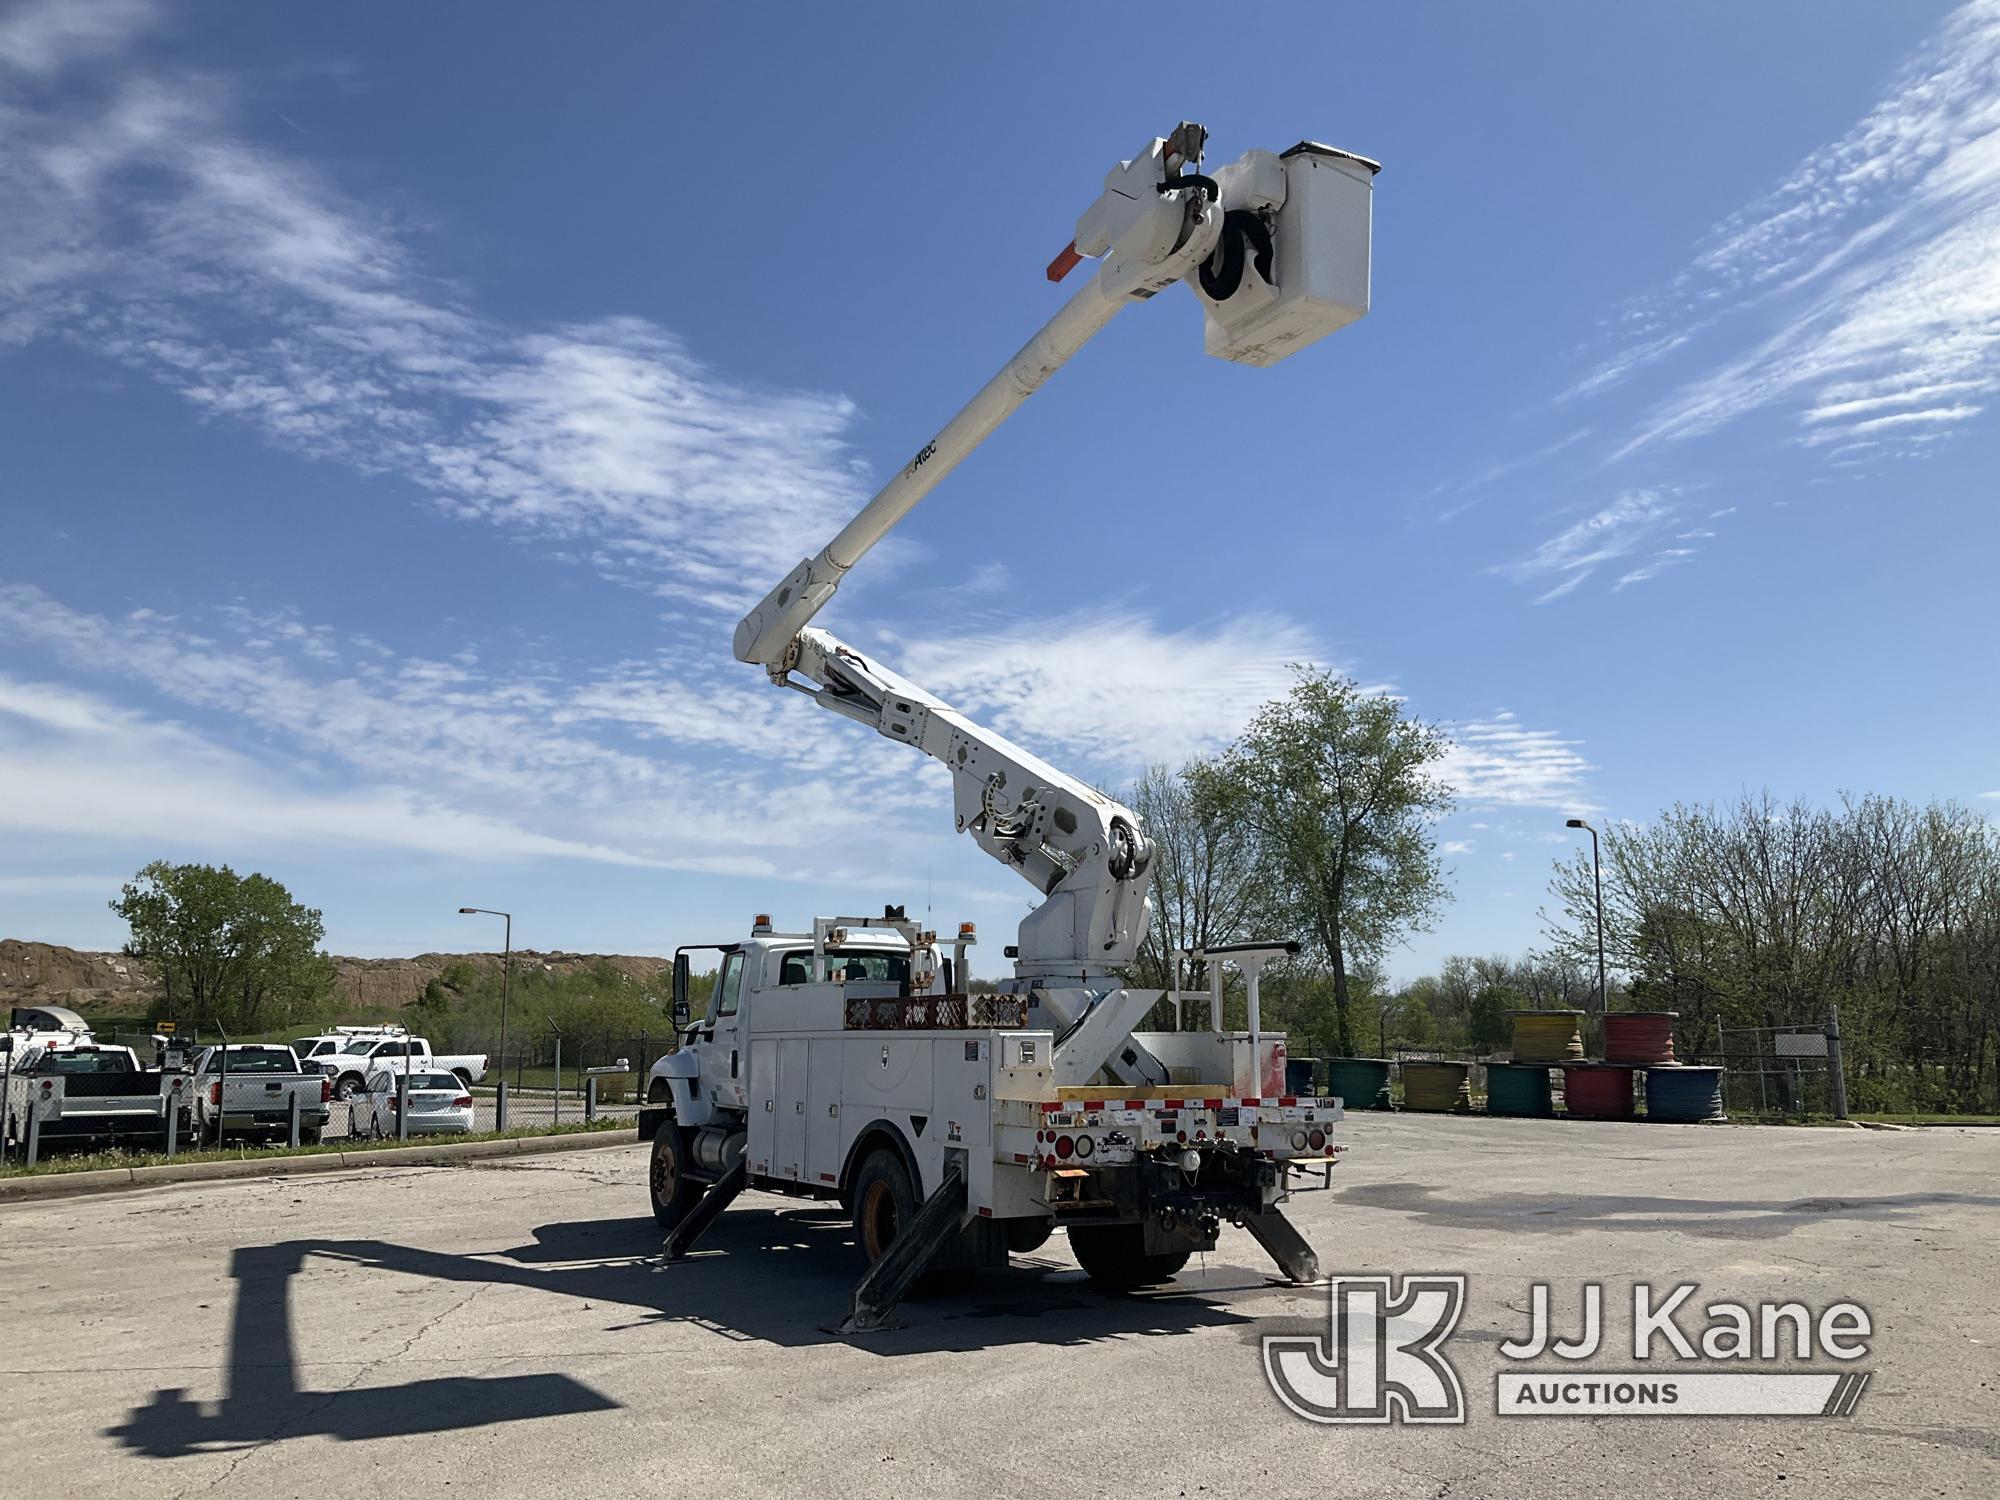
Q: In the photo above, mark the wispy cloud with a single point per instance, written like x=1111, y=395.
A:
x=1621, y=529
x=1875, y=256
x=1855, y=301
x=136, y=222
x=1113, y=685
x=1500, y=762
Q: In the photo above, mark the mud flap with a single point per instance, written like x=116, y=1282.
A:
x=1284, y=1244
x=874, y=1298
x=721, y=1193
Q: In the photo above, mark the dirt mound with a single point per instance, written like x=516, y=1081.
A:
x=110, y=983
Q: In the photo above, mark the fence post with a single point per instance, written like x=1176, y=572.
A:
x=34, y=1134
x=1836, y=1068
x=293, y=1122
x=639, y=1066
x=556, y=1095
x=403, y=1105
x=173, y=1119
x=590, y=1098
x=500, y=1106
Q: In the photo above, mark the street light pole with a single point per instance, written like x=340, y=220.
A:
x=506, y=970
x=1597, y=877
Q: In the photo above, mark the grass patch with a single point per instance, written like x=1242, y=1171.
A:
x=92, y=1161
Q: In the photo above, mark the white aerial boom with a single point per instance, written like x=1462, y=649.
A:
x=1276, y=249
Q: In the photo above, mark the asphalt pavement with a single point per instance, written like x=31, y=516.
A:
x=505, y=1329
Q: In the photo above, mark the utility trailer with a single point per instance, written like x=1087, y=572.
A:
x=849, y=1061
x=843, y=1063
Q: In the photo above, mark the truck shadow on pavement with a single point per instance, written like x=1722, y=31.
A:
x=777, y=1277
x=262, y=1402
x=783, y=1277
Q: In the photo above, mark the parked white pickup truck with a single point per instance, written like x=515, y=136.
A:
x=350, y=1066
x=253, y=1095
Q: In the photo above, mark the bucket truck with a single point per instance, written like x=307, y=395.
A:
x=847, y=1061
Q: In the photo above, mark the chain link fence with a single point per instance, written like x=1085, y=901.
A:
x=548, y=1080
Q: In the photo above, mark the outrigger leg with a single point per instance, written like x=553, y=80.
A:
x=909, y=1255
x=721, y=1193
x=1284, y=1244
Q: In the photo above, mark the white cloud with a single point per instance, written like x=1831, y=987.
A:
x=1113, y=685
x=1876, y=255
x=1459, y=846
x=1499, y=762
x=138, y=225
x=98, y=771
x=1625, y=526
x=44, y=38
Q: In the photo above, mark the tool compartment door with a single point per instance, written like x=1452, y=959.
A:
x=761, y=1147
x=788, y=1146
x=823, y=1137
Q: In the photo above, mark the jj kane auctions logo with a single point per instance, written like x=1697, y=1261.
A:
x=1382, y=1358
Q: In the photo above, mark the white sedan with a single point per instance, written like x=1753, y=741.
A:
x=439, y=1104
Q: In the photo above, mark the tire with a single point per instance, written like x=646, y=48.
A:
x=1114, y=1256
x=309, y=1135
x=348, y=1086
x=674, y=1195
x=884, y=1201
x=1025, y=1236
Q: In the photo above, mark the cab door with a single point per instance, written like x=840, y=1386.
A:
x=724, y=1052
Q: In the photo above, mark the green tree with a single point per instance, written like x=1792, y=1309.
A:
x=230, y=948
x=1340, y=789
x=1489, y=1023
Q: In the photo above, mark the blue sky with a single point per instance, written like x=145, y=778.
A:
x=398, y=406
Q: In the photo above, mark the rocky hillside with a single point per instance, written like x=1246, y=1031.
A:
x=109, y=983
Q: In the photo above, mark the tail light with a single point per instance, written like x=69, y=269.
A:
x=1064, y=1147
x=1300, y=1140
x=1318, y=1139
x=215, y=1093
x=326, y=1091
x=1084, y=1147
x=463, y=1101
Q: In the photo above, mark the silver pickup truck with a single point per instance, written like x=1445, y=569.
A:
x=253, y=1094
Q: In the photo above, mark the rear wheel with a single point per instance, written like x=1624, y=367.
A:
x=674, y=1196
x=348, y=1086
x=1027, y=1235
x=885, y=1200
x=309, y=1135
x=1114, y=1256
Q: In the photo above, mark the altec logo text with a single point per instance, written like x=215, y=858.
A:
x=1383, y=1360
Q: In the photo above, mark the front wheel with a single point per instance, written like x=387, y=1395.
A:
x=885, y=1200
x=348, y=1087
x=674, y=1196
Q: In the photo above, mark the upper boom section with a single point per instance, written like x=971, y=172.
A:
x=1275, y=248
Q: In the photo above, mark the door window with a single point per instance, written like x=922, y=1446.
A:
x=728, y=987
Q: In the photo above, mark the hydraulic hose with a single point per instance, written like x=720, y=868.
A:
x=1242, y=231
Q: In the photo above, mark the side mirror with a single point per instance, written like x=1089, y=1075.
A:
x=682, y=1013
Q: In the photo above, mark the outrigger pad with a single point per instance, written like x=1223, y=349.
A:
x=1284, y=1244
x=721, y=1193
x=874, y=1298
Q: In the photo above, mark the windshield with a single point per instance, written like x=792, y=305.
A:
x=357, y=1047
x=85, y=1062
x=256, y=1060
x=847, y=966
